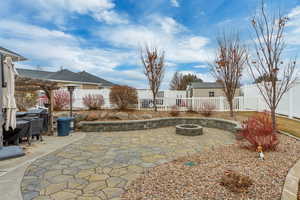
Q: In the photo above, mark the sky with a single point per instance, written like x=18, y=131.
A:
x=104, y=37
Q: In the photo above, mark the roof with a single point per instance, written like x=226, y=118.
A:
x=34, y=73
x=15, y=56
x=85, y=76
x=65, y=75
x=206, y=85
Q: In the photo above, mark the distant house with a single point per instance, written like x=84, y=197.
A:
x=207, y=89
x=63, y=77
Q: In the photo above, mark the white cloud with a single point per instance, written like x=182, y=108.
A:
x=206, y=77
x=58, y=10
x=52, y=48
x=293, y=26
x=200, y=67
x=55, y=48
x=163, y=32
x=175, y=3
x=295, y=12
x=169, y=25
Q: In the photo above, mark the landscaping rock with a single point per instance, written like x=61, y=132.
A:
x=111, y=116
x=80, y=117
x=133, y=117
x=146, y=116
x=121, y=115
x=103, y=115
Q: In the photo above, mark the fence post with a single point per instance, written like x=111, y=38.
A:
x=291, y=95
x=241, y=103
x=139, y=104
x=221, y=99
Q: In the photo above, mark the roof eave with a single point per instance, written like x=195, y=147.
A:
x=14, y=56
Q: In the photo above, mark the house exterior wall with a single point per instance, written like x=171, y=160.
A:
x=90, y=86
x=80, y=85
x=204, y=92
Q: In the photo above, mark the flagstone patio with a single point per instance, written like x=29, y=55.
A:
x=101, y=165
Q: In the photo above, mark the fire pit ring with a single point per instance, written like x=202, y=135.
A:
x=189, y=129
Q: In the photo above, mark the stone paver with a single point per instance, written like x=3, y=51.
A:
x=102, y=165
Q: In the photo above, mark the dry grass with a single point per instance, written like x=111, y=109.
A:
x=284, y=124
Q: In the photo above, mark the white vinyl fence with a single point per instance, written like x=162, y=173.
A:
x=289, y=104
x=252, y=101
x=194, y=104
x=166, y=103
x=80, y=93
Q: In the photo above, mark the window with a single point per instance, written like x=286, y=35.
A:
x=211, y=94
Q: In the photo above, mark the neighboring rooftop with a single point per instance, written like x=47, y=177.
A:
x=65, y=75
x=206, y=85
x=15, y=56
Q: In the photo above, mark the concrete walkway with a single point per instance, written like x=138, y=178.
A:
x=102, y=165
x=12, y=171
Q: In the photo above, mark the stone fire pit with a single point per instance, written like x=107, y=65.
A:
x=189, y=129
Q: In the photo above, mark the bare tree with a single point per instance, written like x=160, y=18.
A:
x=176, y=81
x=180, y=81
x=188, y=79
x=267, y=61
x=154, y=67
x=229, y=63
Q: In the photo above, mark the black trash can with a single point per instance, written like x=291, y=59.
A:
x=64, y=126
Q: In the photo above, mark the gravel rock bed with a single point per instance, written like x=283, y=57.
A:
x=175, y=180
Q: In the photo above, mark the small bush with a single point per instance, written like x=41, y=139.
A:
x=236, y=182
x=61, y=100
x=93, y=101
x=258, y=131
x=123, y=96
x=207, y=109
x=174, y=111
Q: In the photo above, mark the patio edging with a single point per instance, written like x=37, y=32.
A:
x=108, y=126
x=290, y=188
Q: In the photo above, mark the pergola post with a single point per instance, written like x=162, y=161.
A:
x=51, y=105
x=1, y=113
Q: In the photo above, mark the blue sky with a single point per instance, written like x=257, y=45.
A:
x=103, y=36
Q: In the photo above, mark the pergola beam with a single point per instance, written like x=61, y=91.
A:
x=25, y=84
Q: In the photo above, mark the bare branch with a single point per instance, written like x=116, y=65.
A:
x=269, y=46
x=229, y=64
x=153, y=61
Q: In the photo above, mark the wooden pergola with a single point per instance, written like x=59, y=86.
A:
x=26, y=84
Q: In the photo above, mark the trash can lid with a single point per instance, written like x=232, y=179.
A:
x=64, y=118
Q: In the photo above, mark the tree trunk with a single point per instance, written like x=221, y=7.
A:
x=273, y=107
x=231, y=108
x=1, y=113
x=154, y=102
x=273, y=117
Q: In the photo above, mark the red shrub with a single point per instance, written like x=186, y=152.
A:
x=258, y=131
x=93, y=101
x=207, y=108
x=61, y=100
x=123, y=96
